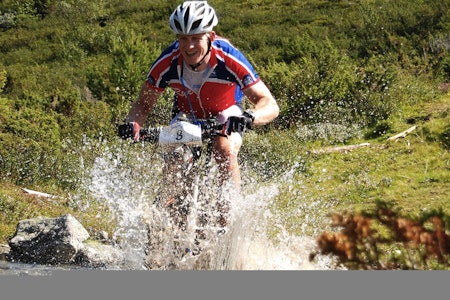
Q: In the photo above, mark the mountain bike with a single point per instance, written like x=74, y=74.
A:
x=183, y=144
x=189, y=208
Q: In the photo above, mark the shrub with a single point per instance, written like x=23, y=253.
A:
x=445, y=137
x=7, y=20
x=2, y=80
x=384, y=239
x=119, y=83
x=30, y=143
x=328, y=87
x=444, y=69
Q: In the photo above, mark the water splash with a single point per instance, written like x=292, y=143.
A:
x=247, y=246
x=120, y=187
x=129, y=191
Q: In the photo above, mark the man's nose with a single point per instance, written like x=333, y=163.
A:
x=190, y=43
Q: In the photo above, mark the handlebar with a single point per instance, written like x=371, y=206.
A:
x=150, y=134
x=209, y=128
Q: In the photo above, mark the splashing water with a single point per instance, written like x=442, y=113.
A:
x=110, y=182
x=149, y=241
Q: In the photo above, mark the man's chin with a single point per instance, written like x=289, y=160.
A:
x=192, y=61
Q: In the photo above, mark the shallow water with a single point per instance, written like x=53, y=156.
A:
x=129, y=190
x=244, y=246
x=21, y=269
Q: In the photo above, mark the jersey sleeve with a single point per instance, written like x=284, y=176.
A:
x=164, y=69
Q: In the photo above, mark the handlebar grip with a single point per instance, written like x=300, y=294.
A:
x=125, y=131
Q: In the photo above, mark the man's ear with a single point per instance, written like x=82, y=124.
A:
x=212, y=36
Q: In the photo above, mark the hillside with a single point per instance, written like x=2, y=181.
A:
x=344, y=73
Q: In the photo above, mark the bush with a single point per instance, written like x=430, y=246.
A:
x=2, y=80
x=30, y=142
x=384, y=239
x=326, y=86
x=119, y=83
x=7, y=20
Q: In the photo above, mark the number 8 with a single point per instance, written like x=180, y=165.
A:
x=179, y=135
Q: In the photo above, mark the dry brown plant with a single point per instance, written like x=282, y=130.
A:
x=386, y=240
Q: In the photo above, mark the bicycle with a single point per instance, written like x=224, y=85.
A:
x=193, y=210
x=183, y=143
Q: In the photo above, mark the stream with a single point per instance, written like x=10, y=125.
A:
x=128, y=187
x=245, y=246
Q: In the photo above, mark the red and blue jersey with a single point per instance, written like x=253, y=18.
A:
x=229, y=74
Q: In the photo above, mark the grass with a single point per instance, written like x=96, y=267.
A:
x=16, y=205
x=412, y=173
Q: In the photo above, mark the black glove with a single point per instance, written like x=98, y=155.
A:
x=125, y=131
x=129, y=130
x=240, y=123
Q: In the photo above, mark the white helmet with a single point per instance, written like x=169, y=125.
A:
x=193, y=17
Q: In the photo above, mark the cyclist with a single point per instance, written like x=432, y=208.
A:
x=210, y=77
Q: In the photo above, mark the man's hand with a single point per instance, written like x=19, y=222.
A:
x=240, y=123
x=129, y=130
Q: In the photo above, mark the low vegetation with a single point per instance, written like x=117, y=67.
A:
x=344, y=72
x=383, y=239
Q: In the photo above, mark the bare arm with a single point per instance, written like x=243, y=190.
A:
x=143, y=105
x=266, y=108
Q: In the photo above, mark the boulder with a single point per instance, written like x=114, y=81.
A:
x=98, y=255
x=47, y=240
x=4, y=250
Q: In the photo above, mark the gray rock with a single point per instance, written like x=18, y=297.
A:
x=98, y=255
x=47, y=240
x=4, y=250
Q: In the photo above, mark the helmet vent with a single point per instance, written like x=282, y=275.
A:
x=178, y=25
x=196, y=24
x=187, y=17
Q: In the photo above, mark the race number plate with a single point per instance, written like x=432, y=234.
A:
x=181, y=133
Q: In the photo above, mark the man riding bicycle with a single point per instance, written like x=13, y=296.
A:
x=210, y=78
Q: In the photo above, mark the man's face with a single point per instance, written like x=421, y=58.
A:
x=194, y=47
